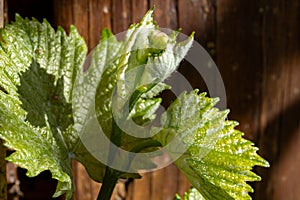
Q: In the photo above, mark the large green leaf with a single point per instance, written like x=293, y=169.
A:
x=38, y=67
x=215, y=158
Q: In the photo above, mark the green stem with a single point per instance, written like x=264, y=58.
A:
x=110, y=180
x=111, y=176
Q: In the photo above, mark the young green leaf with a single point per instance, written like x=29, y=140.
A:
x=217, y=160
x=146, y=57
x=38, y=70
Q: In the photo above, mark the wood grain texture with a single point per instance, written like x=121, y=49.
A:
x=5, y=11
x=140, y=188
x=84, y=187
x=240, y=60
x=183, y=185
x=63, y=13
x=1, y=13
x=170, y=182
x=165, y=13
x=280, y=112
x=157, y=184
x=199, y=16
x=81, y=17
x=100, y=13
x=139, y=8
x=121, y=12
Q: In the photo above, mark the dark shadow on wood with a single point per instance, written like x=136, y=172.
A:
x=30, y=8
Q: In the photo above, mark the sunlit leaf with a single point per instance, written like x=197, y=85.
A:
x=216, y=159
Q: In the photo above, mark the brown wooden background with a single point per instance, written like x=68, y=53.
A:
x=256, y=45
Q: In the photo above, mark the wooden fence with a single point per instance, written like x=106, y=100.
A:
x=256, y=45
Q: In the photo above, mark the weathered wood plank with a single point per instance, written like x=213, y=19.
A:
x=165, y=183
x=157, y=184
x=5, y=13
x=83, y=183
x=13, y=182
x=170, y=187
x=140, y=188
x=63, y=13
x=81, y=17
x=139, y=8
x=165, y=13
x=121, y=12
x=99, y=18
x=1, y=13
x=199, y=16
x=183, y=185
x=280, y=126
x=239, y=60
